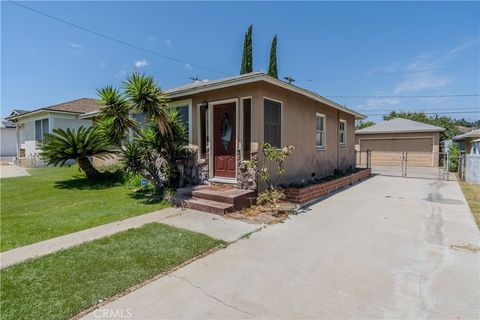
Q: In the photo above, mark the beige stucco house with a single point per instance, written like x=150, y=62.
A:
x=389, y=140
x=229, y=119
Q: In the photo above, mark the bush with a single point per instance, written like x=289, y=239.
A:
x=453, y=157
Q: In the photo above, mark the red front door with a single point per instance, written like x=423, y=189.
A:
x=224, y=140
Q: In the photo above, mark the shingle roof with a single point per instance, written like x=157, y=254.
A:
x=206, y=85
x=471, y=134
x=83, y=105
x=399, y=125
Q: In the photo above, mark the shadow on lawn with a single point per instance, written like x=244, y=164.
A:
x=146, y=196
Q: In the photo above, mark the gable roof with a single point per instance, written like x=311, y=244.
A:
x=207, y=85
x=16, y=112
x=399, y=125
x=79, y=106
x=471, y=134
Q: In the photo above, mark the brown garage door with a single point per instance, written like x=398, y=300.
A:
x=389, y=151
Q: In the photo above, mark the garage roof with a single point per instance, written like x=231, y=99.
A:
x=471, y=134
x=399, y=125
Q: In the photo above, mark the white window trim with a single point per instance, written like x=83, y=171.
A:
x=199, y=132
x=324, y=119
x=281, y=119
x=183, y=103
x=241, y=125
x=344, y=143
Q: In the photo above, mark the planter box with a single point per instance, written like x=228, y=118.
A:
x=315, y=191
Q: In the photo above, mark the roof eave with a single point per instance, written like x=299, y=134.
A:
x=261, y=77
x=22, y=115
x=397, y=131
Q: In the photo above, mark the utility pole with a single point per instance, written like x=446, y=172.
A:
x=289, y=79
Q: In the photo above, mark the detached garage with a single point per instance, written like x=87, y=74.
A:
x=389, y=140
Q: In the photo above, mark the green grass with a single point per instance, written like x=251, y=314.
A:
x=63, y=284
x=56, y=201
x=472, y=194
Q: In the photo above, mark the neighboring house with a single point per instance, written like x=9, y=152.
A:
x=31, y=126
x=7, y=141
x=229, y=119
x=471, y=140
x=388, y=140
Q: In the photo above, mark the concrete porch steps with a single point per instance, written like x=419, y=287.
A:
x=213, y=198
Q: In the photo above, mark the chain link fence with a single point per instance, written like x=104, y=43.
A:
x=469, y=168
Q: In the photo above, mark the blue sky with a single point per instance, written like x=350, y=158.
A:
x=366, y=49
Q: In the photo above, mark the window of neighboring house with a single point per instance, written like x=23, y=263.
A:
x=247, y=127
x=272, y=122
x=342, y=135
x=41, y=129
x=320, y=123
x=141, y=119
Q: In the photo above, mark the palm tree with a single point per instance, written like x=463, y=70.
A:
x=64, y=145
x=141, y=95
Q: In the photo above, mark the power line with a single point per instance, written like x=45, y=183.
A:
x=430, y=113
x=419, y=109
x=401, y=97
x=390, y=73
x=118, y=40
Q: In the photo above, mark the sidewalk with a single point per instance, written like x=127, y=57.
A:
x=213, y=225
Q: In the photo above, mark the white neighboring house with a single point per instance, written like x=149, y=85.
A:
x=30, y=126
x=8, y=147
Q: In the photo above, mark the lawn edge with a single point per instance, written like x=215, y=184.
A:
x=147, y=281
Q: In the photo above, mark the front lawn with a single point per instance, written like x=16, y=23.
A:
x=56, y=201
x=62, y=284
x=472, y=194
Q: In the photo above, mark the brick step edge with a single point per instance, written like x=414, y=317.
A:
x=202, y=204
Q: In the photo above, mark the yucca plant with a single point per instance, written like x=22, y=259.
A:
x=77, y=145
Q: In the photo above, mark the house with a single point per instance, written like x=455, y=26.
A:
x=229, y=119
x=471, y=140
x=388, y=140
x=31, y=126
x=7, y=141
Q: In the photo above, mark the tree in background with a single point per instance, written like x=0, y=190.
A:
x=364, y=124
x=247, y=56
x=272, y=66
x=448, y=123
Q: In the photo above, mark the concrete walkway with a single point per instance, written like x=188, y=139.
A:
x=213, y=225
x=10, y=171
x=381, y=249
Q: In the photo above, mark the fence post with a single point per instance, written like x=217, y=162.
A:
x=406, y=166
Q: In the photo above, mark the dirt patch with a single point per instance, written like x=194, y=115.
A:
x=263, y=215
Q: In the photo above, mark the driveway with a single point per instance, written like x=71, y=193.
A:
x=381, y=249
x=10, y=171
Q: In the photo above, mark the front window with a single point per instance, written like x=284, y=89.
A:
x=272, y=114
x=342, y=132
x=246, y=139
x=183, y=113
x=320, y=131
x=41, y=129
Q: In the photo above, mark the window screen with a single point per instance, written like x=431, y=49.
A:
x=247, y=127
x=272, y=114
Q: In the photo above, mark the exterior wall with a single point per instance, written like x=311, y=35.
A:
x=8, y=143
x=27, y=139
x=298, y=129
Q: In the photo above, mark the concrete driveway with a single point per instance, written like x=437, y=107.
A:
x=10, y=171
x=381, y=249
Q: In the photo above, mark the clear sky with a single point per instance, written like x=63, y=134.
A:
x=365, y=49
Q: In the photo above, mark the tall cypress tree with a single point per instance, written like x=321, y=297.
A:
x=272, y=66
x=247, y=60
